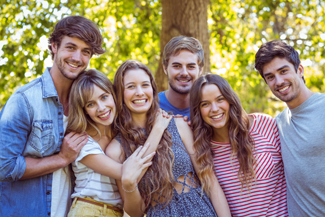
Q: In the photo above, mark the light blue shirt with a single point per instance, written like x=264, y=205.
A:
x=31, y=125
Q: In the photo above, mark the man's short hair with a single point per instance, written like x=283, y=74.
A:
x=78, y=27
x=273, y=49
x=179, y=43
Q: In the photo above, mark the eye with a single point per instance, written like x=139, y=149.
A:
x=269, y=78
x=87, y=52
x=130, y=86
x=69, y=47
x=146, y=85
x=89, y=105
x=176, y=66
x=283, y=71
x=220, y=99
x=192, y=67
x=204, y=104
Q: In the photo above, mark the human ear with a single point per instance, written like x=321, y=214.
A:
x=165, y=70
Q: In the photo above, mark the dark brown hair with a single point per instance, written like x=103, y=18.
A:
x=241, y=142
x=159, y=177
x=79, y=27
x=179, y=43
x=273, y=49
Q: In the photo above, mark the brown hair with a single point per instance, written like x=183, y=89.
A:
x=241, y=142
x=81, y=91
x=273, y=49
x=159, y=176
x=79, y=27
x=177, y=44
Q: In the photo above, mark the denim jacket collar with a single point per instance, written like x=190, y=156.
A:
x=49, y=89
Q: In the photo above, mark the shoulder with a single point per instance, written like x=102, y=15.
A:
x=263, y=118
x=263, y=123
x=282, y=116
x=162, y=95
x=114, y=150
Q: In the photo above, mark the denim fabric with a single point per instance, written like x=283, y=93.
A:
x=31, y=125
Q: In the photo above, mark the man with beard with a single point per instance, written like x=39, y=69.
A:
x=183, y=61
x=34, y=153
x=301, y=128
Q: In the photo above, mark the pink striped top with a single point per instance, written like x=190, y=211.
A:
x=267, y=196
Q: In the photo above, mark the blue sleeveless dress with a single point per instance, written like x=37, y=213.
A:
x=193, y=203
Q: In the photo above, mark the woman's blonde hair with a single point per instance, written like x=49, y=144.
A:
x=81, y=92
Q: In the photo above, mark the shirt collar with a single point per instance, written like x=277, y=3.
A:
x=48, y=85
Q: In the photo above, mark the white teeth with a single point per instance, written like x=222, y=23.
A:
x=217, y=116
x=75, y=66
x=283, y=89
x=139, y=101
x=105, y=115
x=184, y=81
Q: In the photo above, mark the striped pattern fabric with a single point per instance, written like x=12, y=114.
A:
x=91, y=184
x=267, y=194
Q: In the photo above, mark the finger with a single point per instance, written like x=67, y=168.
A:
x=148, y=157
x=78, y=140
x=69, y=135
x=135, y=153
x=144, y=149
x=76, y=137
x=82, y=144
x=146, y=165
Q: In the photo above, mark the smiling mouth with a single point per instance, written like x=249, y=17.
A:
x=217, y=117
x=139, y=101
x=284, y=89
x=73, y=65
x=105, y=116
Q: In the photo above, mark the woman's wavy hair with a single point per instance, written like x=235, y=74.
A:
x=81, y=92
x=242, y=144
x=159, y=177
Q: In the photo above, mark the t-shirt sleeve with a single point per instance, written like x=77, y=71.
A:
x=276, y=142
x=91, y=147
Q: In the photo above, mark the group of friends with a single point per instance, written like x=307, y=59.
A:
x=74, y=144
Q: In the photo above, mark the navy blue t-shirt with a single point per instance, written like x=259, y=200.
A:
x=165, y=104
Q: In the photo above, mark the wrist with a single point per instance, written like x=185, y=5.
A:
x=158, y=129
x=61, y=160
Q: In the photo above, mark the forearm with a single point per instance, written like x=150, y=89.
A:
x=154, y=139
x=133, y=202
x=219, y=200
x=36, y=167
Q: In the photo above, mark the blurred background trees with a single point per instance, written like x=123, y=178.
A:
x=230, y=31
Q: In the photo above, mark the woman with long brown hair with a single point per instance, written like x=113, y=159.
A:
x=243, y=150
x=170, y=186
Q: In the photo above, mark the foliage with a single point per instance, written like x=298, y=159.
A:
x=131, y=30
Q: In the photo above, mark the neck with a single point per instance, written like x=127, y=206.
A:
x=221, y=135
x=139, y=120
x=180, y=101
x=62, y=86
x=105, y=132
x=303, y=95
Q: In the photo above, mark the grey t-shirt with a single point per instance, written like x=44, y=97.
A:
x=302, y=135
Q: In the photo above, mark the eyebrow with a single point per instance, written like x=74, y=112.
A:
x=216, y=98
x=181, y=64
x=279, y=69
x=132, y=82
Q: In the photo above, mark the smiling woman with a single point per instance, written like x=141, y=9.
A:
x=243, y=150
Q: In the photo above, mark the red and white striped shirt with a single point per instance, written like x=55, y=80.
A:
x=267, y=194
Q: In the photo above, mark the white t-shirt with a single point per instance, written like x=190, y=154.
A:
x=61, y=188
x=91, y=184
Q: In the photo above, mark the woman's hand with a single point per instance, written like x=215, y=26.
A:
x=133, y=167
x=162, y=120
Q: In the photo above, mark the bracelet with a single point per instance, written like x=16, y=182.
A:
x=130, y=191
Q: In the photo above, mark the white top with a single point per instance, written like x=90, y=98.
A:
x=61, y=188
x=91, y=184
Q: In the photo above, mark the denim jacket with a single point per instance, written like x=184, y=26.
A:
x=31, y=125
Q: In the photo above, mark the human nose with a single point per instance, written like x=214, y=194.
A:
x=279, y=80
x=101, y=107
x=76, y=56
x=214, y=107
x=139, y=91
x=184, y=71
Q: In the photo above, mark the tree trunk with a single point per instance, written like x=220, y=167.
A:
x=183, y=17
